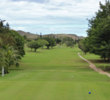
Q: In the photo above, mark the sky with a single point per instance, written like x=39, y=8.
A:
x=49, y=16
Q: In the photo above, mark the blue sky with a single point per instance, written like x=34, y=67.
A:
x=49, y=16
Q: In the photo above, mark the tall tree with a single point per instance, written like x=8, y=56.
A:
x=99, y=32
x=11, y=47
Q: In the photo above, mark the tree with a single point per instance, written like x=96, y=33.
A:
x=25, y=37
x=51, y=42
x=83, y=45
x=42, y=42
x=30, y=45
x=99, y=32
x=58, y=40
x=2, y=27
x=68, y=41
x=11, y=38
x=19, y=42
x=8, y=57
x=2, y=61
x=7, y=26
x=34, y=45
x=11, y=47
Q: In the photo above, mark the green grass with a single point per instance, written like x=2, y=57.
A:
x=100, y=63
x=56, y=74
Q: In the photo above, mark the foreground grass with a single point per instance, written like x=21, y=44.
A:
x=57, y=74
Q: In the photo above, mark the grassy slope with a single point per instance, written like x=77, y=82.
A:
x=97, y=61
x=57, y=74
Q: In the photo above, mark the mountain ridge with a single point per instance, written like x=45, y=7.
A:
x=60, y=35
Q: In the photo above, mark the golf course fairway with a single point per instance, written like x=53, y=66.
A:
x=55, y=74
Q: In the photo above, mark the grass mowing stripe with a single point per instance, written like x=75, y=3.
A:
x=55, y=74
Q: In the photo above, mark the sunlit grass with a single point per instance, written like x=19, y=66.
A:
x=55, y=74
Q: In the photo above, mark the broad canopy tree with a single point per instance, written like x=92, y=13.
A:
x=35, y=44
x=51, y=42
x=98, y=39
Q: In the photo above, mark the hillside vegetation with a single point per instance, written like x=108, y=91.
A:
x=34, y=36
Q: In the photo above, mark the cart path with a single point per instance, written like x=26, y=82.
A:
x=91, y=65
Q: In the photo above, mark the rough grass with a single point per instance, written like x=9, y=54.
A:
x=100, y=63
x=56, y=74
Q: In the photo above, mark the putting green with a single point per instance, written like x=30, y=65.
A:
x=55, y=74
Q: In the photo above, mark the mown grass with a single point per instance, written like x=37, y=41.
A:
x=55, y=74
x=100, y=63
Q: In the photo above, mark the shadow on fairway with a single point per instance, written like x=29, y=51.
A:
x=16, y=69
x=98, y=61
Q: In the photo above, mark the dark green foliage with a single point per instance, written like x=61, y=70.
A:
x=68, y=41
x=35, y=44
x=19, y=42
x=3, y=28
x=7, y=26
x=11, y=46
x=83, y=45
x=51, y=42
x=25, y=37
x=8, y=57
x=99, y=32
x=42, y=42
x=30, y=45
x=58, y=40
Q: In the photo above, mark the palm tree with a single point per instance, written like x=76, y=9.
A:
x=2, y=60
x=8, y=57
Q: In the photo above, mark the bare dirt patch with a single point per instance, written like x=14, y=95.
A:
x=91, y=65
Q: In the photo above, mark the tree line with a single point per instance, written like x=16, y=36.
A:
x=11, y=47
x=98, y=39
x=49, y=42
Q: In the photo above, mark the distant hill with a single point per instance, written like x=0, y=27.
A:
x=73, y=36
x=33, y=36
x=28, y=34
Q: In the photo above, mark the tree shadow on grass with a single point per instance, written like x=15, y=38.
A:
x=99, y=61
x=105, y=68
x=15, y=69
x=34, y=51
x=105, y=65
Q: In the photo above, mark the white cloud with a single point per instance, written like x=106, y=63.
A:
x=27, y=12
x=20, y=28
x=28, y=9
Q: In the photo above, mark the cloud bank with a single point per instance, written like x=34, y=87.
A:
x=49, y=16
